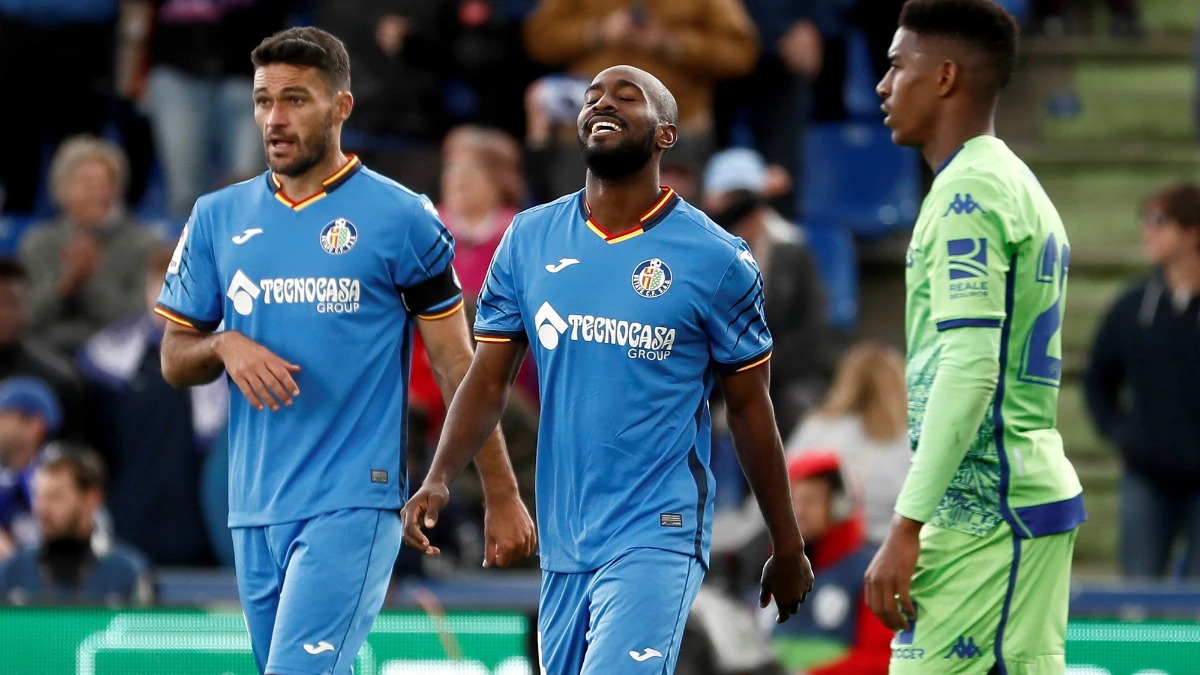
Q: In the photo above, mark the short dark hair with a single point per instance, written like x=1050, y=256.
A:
x=306, y=46
x=983, y=24
x=1180, y=203
x=85, y=466
x=11, y=269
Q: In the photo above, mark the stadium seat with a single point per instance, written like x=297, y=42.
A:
x=12, y=226
x=854, y=176
x=837, y=262
x=861, y=102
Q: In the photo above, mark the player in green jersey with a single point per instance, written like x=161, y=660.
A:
x=974, y=575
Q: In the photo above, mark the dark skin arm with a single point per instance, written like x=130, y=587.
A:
x=472, y=417
x=508, y=530
x=788, y=575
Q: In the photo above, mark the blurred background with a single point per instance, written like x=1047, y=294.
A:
x=113, y=486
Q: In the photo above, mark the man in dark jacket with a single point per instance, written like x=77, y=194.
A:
x=1149, y=347
x=74, y=562
x=735, y=194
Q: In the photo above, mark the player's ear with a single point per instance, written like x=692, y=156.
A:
x=668, y=134
x=947, y=77
x=343, y=104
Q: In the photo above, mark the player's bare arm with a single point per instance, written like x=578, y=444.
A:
x=787, y=576
x=191, y=358
x=472, y=418
x=507, y=528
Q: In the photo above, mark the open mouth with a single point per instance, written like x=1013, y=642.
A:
x=604, y=127
x=280, y=144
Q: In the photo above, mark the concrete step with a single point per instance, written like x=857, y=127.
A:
x=1099, y=188
x=1102, y=89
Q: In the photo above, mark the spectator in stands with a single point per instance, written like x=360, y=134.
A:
x=736, y=190
x=690, y=46
x=154, y=437
x=399, y=109
x=775, y=95
x=29, y=415
x=1142, y=391
x=865, y=419
x=85, y=268
x=826, y=506
x=75, y=562
x=875, y=21
x=20, y=355
x=198, y=91
x=57, y=58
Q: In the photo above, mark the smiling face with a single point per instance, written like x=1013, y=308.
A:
x=299, y=115
x=620, y=125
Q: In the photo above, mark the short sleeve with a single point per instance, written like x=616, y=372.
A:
x=191, y=293
x=966, y=255
x=736, y=323
x=424, y=273
x=498, y=314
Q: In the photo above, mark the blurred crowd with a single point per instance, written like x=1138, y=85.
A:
x=107, y=472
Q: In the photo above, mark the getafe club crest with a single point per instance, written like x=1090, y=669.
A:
x=651, y=278
x=338, y=236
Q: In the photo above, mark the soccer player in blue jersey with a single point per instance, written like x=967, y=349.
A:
x=319, y=270
x=634, y=303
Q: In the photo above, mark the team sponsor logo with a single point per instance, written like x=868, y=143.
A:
x=651, y=278
x=330, y=295
x=963, y=206
x=338, y=236
x=177, y=255
x=965, y=648
x=641, y=340
x=968, y=268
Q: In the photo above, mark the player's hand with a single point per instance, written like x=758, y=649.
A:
x=788, y=577
x=422, y=509
x=264, y=378
x=508, y=531
x=890, y=575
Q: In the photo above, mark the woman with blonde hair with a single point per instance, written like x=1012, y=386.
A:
x=865, y=418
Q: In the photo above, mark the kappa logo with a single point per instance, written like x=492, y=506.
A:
x=964, y=206
x=645, y=655
x=549, y=326
x=320, y=647
x=968, y=258
x=964, y=649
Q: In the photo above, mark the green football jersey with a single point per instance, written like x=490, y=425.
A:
x=989, y=251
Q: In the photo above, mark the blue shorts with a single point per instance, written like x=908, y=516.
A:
x=626, y=617
x=310, y=589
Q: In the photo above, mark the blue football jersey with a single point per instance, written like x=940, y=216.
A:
x=628, y=331
x=333, y=284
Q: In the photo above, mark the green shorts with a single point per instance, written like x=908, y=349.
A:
x=985, y=602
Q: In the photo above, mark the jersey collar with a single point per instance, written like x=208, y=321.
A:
x=328, y=185
x=649, y=219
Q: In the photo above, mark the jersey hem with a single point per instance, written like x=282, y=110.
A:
x=973, y=322
x=500, y=336
x=581, y=567
x=172, y=314
x=1042, y=520
x=745, y=364
x=238, y=519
